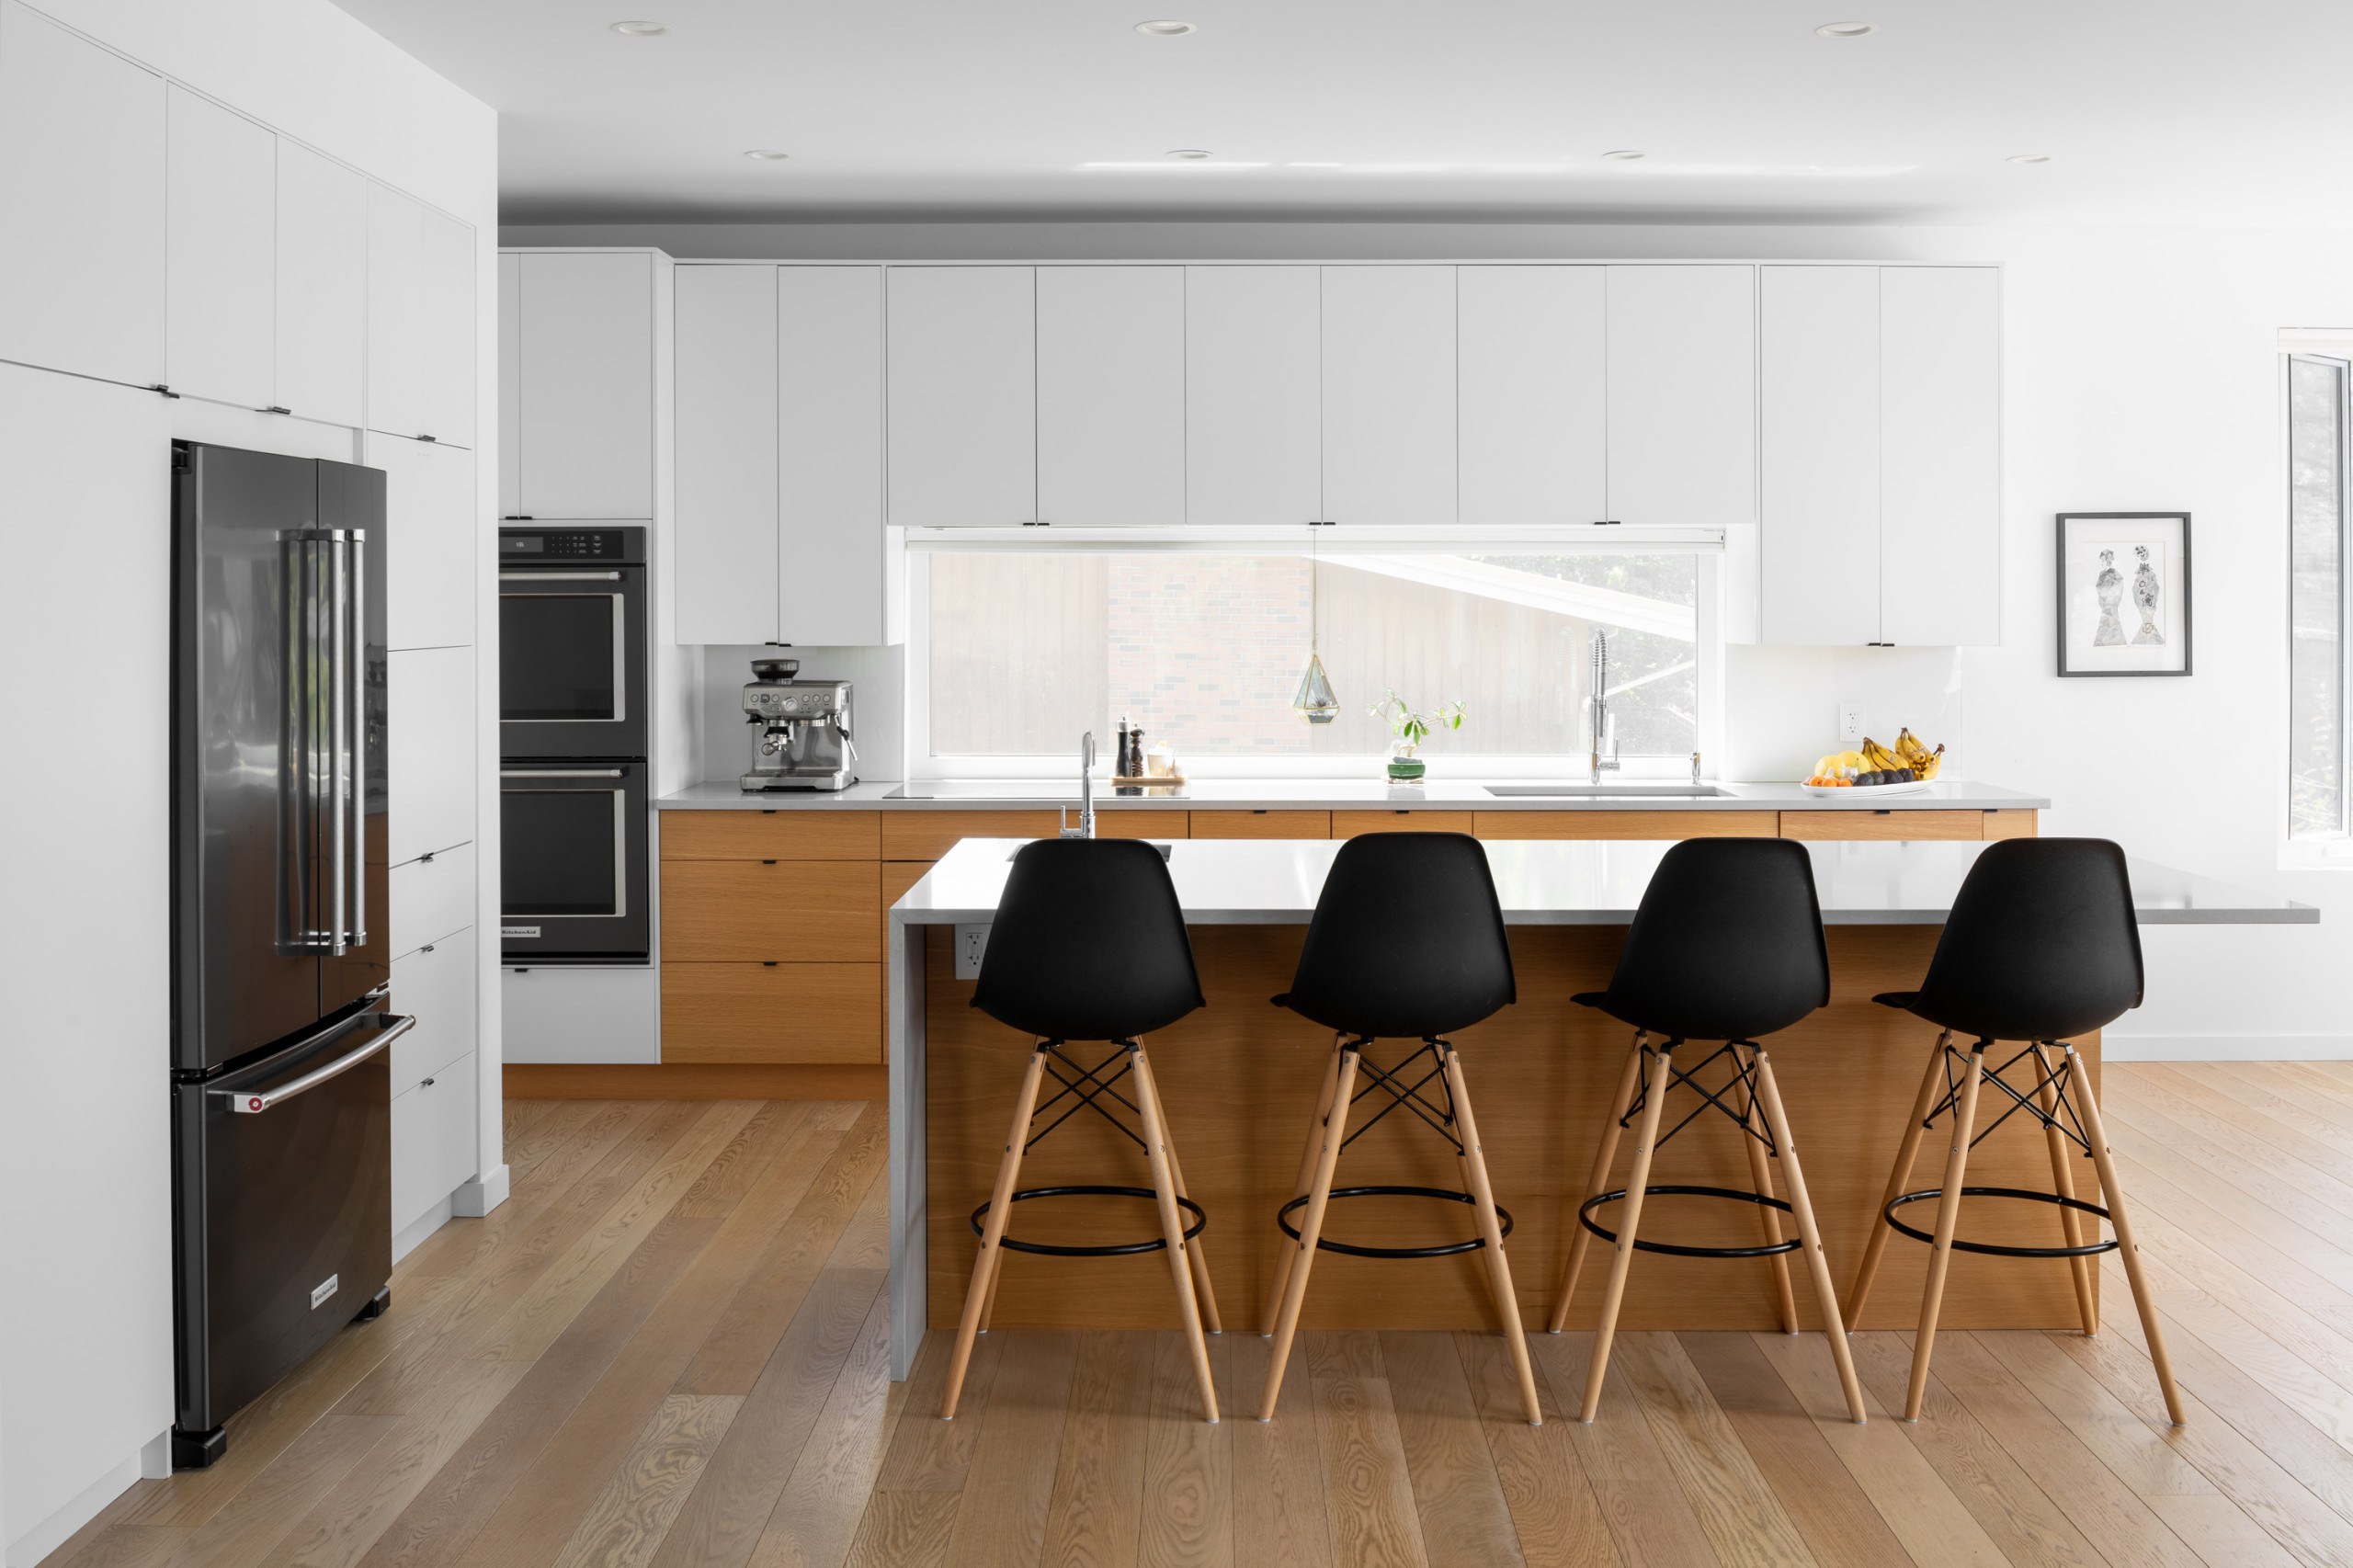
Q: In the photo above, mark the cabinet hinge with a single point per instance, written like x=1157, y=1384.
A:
x=160, y=387
x=274, y=408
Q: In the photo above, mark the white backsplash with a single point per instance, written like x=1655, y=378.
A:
x=1782, y=705
x=878, y=708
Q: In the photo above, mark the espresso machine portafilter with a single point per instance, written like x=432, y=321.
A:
x=805, y=739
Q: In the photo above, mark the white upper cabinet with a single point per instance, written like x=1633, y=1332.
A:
x=220, y=313
x=1940, y=455
x=963, y=432
x=1111, y=394
x=585, y=377
x=420, y=321
x=82, y=160
x=727, y=448
x=1682, y=395
x=1254, y=394
x=321, y=296
x=1389, y=394
x=433, y=571
x=1532, y=405
x=833, y=581
x=510, y=383
x=447, y=248
x=1819, y=548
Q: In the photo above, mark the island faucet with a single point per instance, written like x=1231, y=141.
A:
x=1605, y=734
x=1086, y=828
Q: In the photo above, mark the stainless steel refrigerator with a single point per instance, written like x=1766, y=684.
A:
x=281, y=1076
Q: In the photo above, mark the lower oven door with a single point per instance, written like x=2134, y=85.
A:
x=573, y=863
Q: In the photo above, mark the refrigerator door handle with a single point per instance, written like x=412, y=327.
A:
x=354, y=633
x=247, y=1102
x=338, y=562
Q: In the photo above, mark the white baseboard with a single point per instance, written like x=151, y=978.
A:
x=156, y=1459
x=424, y=1225
x=478, y=1197
x=54, y=1531
x=2116, y=1046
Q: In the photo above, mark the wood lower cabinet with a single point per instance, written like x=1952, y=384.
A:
x=1349, y=825
x=2013, y=824
x=1142, y=824
x=1850, y=824
x=772, y=1012
x=1262, y=825
x=926, y=835
x=1627, y=824
x=771, y=911
x=783, y=834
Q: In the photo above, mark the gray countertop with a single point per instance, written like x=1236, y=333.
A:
x=1577, y=882
x=1328, y=794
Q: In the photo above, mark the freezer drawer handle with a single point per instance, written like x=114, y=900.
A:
x=247, y=1103
x=559, y=576
x=558, y=773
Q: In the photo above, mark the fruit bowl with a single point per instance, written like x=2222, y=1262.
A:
x=1865, y=791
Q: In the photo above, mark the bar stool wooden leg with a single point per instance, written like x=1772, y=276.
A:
x=1761, y=1180
x=1645, y=1142
x=1306, y=1174
x=1008, y=1168
x=1817, y=1266
x=1598, y=1181
x=2112, y=1194
x=1200, y=1259
x=1898, y=1175
x=1311, y=1226
x=1491, y=1230
x=1923, y=1342
x=1172, y=1228
x=996, y=1276
x=2063, y=1182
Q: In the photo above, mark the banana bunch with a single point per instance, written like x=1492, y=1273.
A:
x=1908, y=760
x=1915, y=756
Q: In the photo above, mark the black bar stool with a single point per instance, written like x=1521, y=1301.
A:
x=1406, y=943
x=2041, y=944
x=1089, y=944
x=1727, y=945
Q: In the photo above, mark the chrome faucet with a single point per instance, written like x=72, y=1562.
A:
x=1086, y=828
x=1605, y=729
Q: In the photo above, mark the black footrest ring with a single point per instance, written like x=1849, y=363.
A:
x=1157, y=1244
x=1324, y=1244
x=1585, y=1217
x=2091, y=1249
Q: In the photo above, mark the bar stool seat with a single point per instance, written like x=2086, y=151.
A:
x=1089, y=944
x=1727, y=945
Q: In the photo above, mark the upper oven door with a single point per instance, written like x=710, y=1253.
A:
x=572, y=661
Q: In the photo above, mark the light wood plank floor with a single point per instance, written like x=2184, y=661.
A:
x=668, y=1348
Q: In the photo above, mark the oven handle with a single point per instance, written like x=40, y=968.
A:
x=559, y=576
x=560, y=773
x=246, y=1103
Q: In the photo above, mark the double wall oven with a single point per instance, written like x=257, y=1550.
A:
x=574, y=783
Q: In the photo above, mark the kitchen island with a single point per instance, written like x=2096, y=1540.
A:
x=1239, y=1078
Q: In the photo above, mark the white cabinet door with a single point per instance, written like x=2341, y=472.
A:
x=1254, y=394
x=1820, y=383
x=430, y=751
x=1682, y=395
x=1940, y=455
x=586, y=377
x=396, y=313
x=831, y=567
x=726, y=453
x=432, y=1141
x=446, y=399
x=1389, y=407
x=321, y=299
x=221, y=245
x=963, y=395
x=1533, y=400
x=1111, y=394
x=434, y=571
x=431, y=896
x=435, y=984
x=81, y=205
x=510, y=384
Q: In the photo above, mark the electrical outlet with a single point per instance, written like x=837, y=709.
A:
x=971, y=945
x=1850, y=725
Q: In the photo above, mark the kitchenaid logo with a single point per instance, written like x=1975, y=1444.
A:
x=326, y=1288
x=518, y=930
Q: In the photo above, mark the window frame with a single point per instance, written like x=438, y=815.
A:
x=2335, y=350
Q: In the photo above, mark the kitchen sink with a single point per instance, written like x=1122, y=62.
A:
x=1659, y=792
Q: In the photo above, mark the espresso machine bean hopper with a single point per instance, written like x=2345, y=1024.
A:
x=804, y=730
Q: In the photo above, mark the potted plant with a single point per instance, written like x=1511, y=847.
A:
x=1408, y=730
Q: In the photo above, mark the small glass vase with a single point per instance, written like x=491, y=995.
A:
x=1404, y=766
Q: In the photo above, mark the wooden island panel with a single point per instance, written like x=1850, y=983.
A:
x=1243, y=823
x=1349, y=825
x=1846, y=826
x=1627, y=824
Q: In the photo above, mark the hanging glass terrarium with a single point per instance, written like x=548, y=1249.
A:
x=1314, y=700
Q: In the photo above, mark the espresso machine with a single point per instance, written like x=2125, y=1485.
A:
x=804, y=730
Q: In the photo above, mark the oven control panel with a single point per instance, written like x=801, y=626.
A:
x=532, y=547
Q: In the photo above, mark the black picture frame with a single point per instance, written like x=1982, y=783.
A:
x=2168, y=530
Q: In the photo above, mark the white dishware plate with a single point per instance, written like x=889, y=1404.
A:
x=1865, y=791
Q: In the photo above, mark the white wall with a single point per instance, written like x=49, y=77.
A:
x=84, y=1225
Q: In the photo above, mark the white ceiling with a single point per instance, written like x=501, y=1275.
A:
x=2160, y=110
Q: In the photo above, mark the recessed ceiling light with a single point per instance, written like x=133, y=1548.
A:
x=2028, y=158
x=640, y=30
x=1164, y=29
x=1190, y=155
x=1846, y=30
x=1623, y=155
x=768, y=154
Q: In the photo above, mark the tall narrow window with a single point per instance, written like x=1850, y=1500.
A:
x=2317, y=597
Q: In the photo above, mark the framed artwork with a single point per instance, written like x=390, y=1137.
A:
x=2123, y=593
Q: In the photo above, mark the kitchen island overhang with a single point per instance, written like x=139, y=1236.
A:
x=1239, y=1081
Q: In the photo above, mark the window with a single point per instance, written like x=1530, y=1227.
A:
x=2317, y=597
x=1016, y=651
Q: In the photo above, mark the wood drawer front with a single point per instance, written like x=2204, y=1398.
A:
x=772, y=836
x=1262, y=825
x=785, y=1012
x=1628, y=825
x=1349, y=825
x=926, y=835
x=2013, y=824
x=1143, y=825
x=793, y=912
x=1883, y=824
